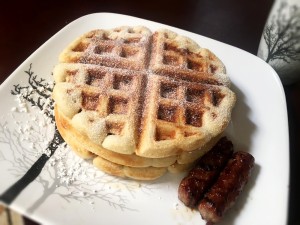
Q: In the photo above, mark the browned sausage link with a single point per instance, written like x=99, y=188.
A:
x=227, y=188
x=201, y=177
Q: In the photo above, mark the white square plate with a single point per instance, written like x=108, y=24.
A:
x=71, y=191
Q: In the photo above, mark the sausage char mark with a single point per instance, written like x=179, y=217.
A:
x=205, y=173
x=224, y=192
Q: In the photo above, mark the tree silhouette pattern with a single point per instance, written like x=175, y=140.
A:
x=282, y=34
x=95, y=185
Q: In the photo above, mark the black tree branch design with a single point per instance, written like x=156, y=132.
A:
x=282, y=35
x=38, y=94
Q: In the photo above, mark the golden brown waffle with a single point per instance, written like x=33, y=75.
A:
x=88, y=149
x=141, y=100
x=123, y=165
x=181, y=116
x=123, y=47
x=180, y=57
x=102, y=102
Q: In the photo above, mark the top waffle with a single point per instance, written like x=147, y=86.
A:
x=134, y=92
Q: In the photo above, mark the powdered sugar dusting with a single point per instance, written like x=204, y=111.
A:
x=70, y=168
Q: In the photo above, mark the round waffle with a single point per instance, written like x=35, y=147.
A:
x=140, y=100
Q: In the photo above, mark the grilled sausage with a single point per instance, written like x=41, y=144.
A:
x=207, y=169
x=222, y=195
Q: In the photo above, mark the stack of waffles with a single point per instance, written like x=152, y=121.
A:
x=140, y=103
